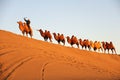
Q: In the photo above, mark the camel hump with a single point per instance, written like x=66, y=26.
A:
x=46, y=32
x=111, y=42
x=88, y=42
x=49, y=34
x=53, y=33
x=62, y=37
x=61, y=34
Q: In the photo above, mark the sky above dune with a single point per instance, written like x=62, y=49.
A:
x=87, y=19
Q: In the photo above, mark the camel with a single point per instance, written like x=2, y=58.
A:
x=28, y=30
x=42, y=34
x=24, y=28
x=62, y=38
x=81, y=43
x=92, y=44
x=57, y=37
x=72, y=40
x=45, y=35
x=97, y=45
x=85, y=43
x=111, y=47
x=108, y=46
x=104, y=46
x=49, y=36
x=28, y=25
x=88, y=44
x=69, y=40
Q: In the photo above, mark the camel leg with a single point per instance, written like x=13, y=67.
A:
x=45, y=38
x=23, y=33
x=112, y=51
x=30, y=33
x=77, y=45
x=115, y=51
x=26, y=34
x=89, y=48
x=101, y=49
x=85, y=47
x=95, y=48
x=31, y=36
x=64, y=42
x=108, y=51
x=82, y=47
x=50, y=40
x=104, y=50
x=58, y=41
x=98, y=50
x=72, y=46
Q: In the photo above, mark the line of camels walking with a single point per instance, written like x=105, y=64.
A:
x=25, y=28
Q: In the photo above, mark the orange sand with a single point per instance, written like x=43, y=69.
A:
x=23, y=58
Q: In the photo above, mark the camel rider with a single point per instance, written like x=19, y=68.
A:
x=27, y=22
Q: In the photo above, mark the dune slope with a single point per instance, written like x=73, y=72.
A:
x=23, y=58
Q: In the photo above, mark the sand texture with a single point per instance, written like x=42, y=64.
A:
x=23, y=58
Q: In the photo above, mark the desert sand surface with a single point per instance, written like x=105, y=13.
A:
x=23, y=58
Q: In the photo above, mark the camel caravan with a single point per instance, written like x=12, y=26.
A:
x=73, y=40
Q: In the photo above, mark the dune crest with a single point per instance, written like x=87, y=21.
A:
x=23, y=58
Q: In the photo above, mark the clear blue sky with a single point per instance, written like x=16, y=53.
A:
x=91, y=19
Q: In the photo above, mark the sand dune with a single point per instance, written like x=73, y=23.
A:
x=23, y=58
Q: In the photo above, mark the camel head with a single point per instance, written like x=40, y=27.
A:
x=68, y=39
x=103, y=43
x=72, y=36
x=54, y=34
x=19, y=22
x=40, y=30
x=58, y=34
x=62, y=35
x=107, y=43
x=80, y=41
